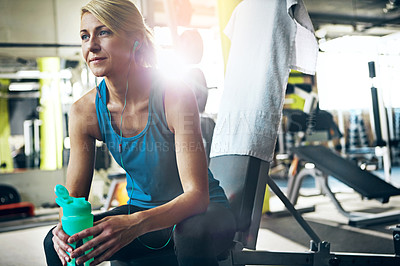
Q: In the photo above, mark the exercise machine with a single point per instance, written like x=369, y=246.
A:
x=381, y=146
x=11, y=206
x=327, y=163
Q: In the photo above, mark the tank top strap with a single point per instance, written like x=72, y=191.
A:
x=101, y=108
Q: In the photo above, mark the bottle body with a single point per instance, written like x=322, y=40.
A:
x=74, y=224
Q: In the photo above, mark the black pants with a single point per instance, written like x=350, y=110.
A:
x=198, y=240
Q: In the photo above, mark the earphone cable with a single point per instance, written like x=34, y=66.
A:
x=122, y=162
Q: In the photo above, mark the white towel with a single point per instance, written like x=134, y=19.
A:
x=268, y=38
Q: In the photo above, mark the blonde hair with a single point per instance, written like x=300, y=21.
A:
x=123, y=16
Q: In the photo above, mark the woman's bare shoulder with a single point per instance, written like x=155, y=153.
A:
x=86, y=103
x=83, y=114
x=180, y=103
x=178, y=91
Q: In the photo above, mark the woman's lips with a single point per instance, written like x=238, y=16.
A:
x=96, y=59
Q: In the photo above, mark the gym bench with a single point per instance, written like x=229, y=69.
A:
x=328, y=163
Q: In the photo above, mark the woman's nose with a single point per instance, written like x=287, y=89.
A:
x=94, y=45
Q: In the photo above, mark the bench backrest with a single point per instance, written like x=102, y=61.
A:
x=244, y=180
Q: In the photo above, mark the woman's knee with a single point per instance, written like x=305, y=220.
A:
x=217, y=222
x=48, y=241
x=194, y=228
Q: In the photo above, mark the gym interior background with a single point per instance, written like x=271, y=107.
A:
x=351, y=107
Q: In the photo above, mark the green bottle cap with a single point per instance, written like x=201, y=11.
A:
x=71, y=206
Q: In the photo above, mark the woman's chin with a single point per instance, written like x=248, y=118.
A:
x=98, y=74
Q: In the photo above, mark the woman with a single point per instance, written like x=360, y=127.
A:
x=151, y=127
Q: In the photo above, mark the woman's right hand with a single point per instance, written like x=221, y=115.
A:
x=60, y=244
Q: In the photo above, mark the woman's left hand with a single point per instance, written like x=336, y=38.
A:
x=110, y=234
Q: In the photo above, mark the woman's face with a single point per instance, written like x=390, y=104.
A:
x=106, y=53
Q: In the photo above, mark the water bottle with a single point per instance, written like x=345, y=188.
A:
x=76, y=217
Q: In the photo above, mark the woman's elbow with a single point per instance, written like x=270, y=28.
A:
x=202, y=203
x=199, y=201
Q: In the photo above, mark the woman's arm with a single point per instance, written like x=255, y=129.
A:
x=80, y=167
x=82, y=129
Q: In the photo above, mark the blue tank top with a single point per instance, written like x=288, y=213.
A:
x=149, y=158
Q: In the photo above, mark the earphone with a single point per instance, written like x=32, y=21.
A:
x=126, y=92
x=135, y=46
x=120, y=148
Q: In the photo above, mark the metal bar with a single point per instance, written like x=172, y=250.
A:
x=251, y=240
x=295, y=184
x=293, y=211
x=28, y=138
x=307, y=258
x=272, y=258
x=353, y=259
x=38, y=45
x=350, y=19
x=396, y=240
x=375, y=218
x=21, y=95
x=36, y=142
x=377, y=120
x=330, y=194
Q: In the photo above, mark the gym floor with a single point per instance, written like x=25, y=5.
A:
x=277, y=232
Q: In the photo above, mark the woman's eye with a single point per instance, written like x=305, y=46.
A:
x=84, y=37
x=104, y=33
